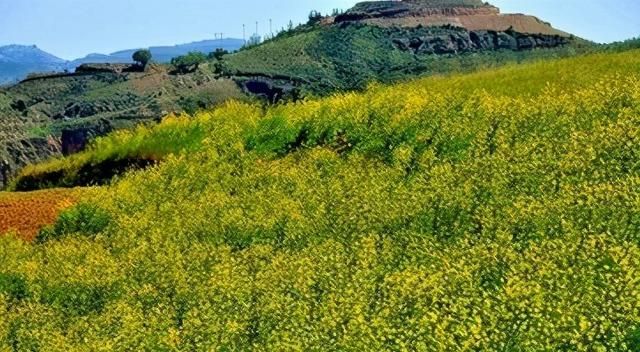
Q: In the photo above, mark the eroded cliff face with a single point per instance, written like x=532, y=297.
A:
x=470, y=15
x=457, y=41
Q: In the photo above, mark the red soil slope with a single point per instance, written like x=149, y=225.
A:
x=26, y=213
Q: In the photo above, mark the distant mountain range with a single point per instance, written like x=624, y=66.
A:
x=18, y=61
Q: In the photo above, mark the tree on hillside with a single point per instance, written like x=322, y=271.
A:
x=142, y=57
x=314, y=17
x=254, y=40
x=188, y=63
x=218, y=54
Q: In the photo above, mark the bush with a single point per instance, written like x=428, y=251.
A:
x=142, y=57
x=83, y=219
x=76, y=299
x=191, y=105
x=218, y=54
x=14, y=286
x=188, y=63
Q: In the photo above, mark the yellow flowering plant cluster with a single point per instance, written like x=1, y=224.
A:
x=497, y=211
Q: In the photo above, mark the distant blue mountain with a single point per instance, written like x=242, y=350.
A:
x=27, y=54
x=18, y=61
x=162, y=54
x=166, y=53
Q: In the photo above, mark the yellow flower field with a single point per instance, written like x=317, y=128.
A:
x=497, y=211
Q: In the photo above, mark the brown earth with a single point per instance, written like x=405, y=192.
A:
x=26, y=213
x=430, y=13
x=499, y=23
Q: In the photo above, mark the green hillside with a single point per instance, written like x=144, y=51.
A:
x=315, y=59
x=184, y=134
x=496, y=211
x=34, y=113
x=323, y=59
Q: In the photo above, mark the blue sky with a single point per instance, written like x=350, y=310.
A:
x=74, y=28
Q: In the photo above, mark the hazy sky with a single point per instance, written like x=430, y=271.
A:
x=74, y=28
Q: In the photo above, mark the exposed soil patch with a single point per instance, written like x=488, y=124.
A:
x=27, y=213
x=473, y=16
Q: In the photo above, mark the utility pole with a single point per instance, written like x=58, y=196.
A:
x=220, y=39
x=244, y=34
x=270, y=27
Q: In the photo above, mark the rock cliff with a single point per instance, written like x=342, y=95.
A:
x=427, y=41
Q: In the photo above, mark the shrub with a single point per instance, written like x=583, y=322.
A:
x=14, y=286
x=191, y=104
x=83, y=219
x=76, y=299
x=188, y=63
x=218, y=54
x=142, y=57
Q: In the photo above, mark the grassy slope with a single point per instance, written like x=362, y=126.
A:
x=268, y=58
x=493, y=211
x=124, y=101
x=118, y=98
x=176, y=135
x=326, y=59
x=9, y=129
x=4, y=102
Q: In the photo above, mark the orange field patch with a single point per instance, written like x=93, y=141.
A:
x=27, y=213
